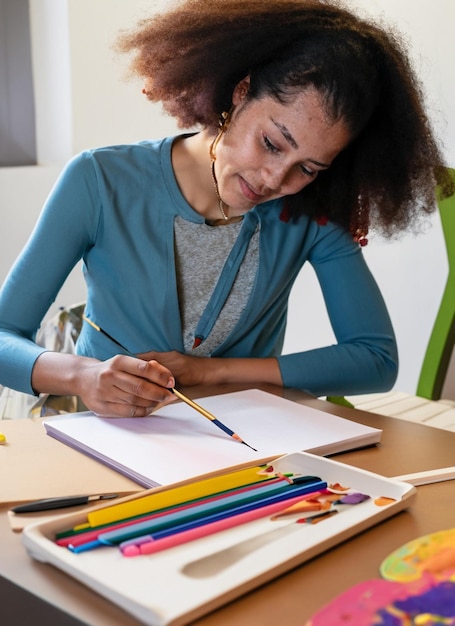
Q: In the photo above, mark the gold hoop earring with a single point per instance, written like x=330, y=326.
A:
x=223, y=124
x=225, y=120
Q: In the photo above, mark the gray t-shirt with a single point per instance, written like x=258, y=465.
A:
x=201, y=251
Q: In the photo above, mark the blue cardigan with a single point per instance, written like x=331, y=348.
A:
x=115, y=207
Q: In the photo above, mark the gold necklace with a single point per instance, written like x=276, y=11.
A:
x=223, y=126
x=215, y=184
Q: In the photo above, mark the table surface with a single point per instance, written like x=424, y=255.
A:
x=29, y=588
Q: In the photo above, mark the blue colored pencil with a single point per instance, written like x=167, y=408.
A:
x=215, y=517
x=202, y=515
x=211, y=417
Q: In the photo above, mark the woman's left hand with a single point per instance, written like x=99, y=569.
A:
x=187, y=370
x=195, y=370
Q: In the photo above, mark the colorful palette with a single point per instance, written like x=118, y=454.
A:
x=419, y=589
x=385, y=603
x=428, y=556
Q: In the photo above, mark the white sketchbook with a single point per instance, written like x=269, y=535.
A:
x=177, y=443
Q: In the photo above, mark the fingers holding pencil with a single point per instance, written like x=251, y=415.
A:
x=147, y=360
x=124, y=387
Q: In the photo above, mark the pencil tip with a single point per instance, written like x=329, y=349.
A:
x=240, y=440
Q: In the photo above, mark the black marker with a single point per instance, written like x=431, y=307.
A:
x=59, y=503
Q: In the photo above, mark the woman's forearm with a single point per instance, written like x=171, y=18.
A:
x=242, y=370
x=59, y=374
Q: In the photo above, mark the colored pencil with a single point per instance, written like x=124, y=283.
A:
x=110, y=337
x=150, y=545
x=227, y=504
x=117, y=537
x=211, y=417
x=179, y=394
x=77, y=537
x=153, y=500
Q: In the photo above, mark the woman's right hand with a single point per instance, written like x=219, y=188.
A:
x=122, y=386
x=125, y=386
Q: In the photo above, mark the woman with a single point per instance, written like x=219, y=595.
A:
x=311, y=129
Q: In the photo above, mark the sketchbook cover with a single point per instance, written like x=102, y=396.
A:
x=216, y=569
x=177, y=443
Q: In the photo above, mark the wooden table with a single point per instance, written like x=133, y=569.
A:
x=32, y=592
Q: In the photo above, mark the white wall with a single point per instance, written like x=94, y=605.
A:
x=83, y=100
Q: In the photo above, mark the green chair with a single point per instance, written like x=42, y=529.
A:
x=426, y=406
x=440, y=346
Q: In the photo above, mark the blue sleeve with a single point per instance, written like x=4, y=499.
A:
x=365, y=358
x=64, y=230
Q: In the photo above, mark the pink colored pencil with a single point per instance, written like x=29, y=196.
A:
x=152, y=546
x=90, y=535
